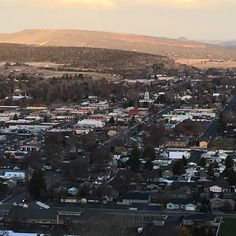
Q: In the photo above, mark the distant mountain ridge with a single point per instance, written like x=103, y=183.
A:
x=223, y=43
x=229, y=44
x=174, y=48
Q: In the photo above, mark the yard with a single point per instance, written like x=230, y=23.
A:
x=227, y=227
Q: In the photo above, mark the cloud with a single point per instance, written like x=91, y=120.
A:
x=108, y=4
x=114, y=3
x=82, y=3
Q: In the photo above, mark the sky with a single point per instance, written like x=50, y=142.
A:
x=194, y=19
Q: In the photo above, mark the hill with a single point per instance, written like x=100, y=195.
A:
x=229, y=44
x=174, y=48
x=94, y=59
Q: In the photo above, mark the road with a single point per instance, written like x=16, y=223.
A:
x=212, y=130
x=18, y=197
x=141, y=209
x=22, y=194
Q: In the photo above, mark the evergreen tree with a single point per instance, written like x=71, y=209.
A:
x=210, y=170
x=185, y=162
x=229, y=162
x=149, y=152
x=149, y=165
x=15, y=117
x=231, y=175
x=134, y=162
x=221, y=122
x=112, y=121
x=178, y=167
x=202, y=162
x=37, y=184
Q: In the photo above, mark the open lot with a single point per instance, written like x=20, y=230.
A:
x=207, y=63
x=227, y=227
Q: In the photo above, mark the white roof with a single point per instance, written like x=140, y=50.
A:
x=90, y=122
x=11, y=233
x=178, y=155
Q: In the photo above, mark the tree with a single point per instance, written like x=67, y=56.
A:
x=202, y=162
x=229, y=162
x=204, y=205
x=77, y=169
x=100, y=158
x=189, y=128
x=4, y=190
x=112, y=121
x=210, y=170
x=134, y=162
x=178, y=167
x=155, y=134
x=231, y=175
x=149, y=164
x=221, y=122
x=15, y=117
x=185, y=162
x=149, y=152
x=37, y=184
x=46, y=118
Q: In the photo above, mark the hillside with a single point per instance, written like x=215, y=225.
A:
x=174, y=48
x=85, y=58
x=229, y=44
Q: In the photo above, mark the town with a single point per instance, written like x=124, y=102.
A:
x=139, y=154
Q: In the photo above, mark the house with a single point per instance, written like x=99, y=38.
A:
x=203, y=144
x=135, y=198
x=10, y=183
x=215, y=189
x=13, y=174
x=185, y=187
x=190, y=207
x=181, y=204
x=73, y=191
x=176, y=155
x=217, y=204
x=216, y=186
x=146, y=99
x=32, y=146
x=34, y=215
x=133, y=112
x=200, y=220
x=167, y=174
x=161, y=162
x=178, y=143
x=90, y=124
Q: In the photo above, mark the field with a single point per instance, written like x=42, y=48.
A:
x=206, y=63
x=227, y=227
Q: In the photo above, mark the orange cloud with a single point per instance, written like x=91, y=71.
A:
x=93, y=3
x=103, y=4
x=113, y=3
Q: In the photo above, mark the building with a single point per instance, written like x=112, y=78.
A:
x=32, y=146
x=135, y=198
x=173, y=155
x=181, y=204
x=90, y=124
x=34, y=215
x=203, y=144
x=216, y=189
x=146, y=99
x=200, y=220
x=218, y=204
x=12, y=174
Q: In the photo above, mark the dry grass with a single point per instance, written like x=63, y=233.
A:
x=206, y=63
